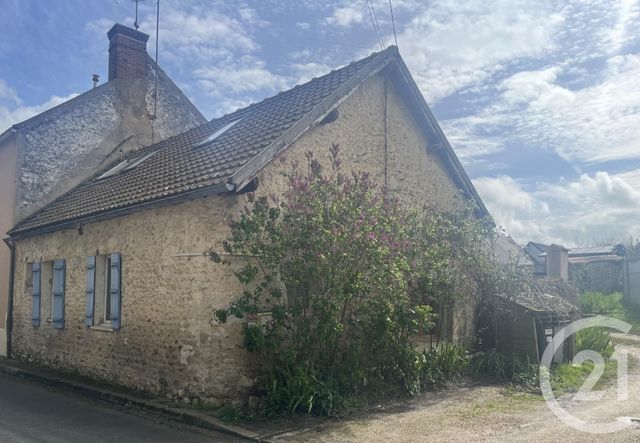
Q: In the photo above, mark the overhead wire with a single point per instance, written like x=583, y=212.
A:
x=374, y=21
x=375, y=18
x=393, y=23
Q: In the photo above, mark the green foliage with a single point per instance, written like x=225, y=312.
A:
x=595, y=339
x=231, y=414
x=570, y=377
x=505, y=368
x=599, y=303
x=298, y=389
x=597, y=277
x=441, y=364
x=347, y=276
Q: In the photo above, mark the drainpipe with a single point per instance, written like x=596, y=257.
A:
x=10, y=243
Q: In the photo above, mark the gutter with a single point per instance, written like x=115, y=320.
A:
x=11, y=244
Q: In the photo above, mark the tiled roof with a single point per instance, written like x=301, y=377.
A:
x=178, y=167
x=195, y=163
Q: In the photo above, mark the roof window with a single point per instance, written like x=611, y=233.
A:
x=126, y=165
x=218, y=133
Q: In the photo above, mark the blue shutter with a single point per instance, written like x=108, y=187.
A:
x=59, y=268
x=114, y=291
x=91, y=290
x=35, y=294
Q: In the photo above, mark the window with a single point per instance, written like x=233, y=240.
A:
x=102, y=309
x=218, y=133
x=28, y=281
x=47, y=291
x=126, y=165
x=103, y=291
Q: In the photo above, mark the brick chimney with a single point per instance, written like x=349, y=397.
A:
x=127, y=53
x=557, y=261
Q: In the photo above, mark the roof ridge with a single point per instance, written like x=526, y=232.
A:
x=227, y=164
x=250, y=107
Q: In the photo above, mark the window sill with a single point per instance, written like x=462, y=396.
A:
x=104, y=328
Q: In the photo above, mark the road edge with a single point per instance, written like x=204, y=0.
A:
x=185, y=416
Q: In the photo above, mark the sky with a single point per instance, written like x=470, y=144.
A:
x=539, y=99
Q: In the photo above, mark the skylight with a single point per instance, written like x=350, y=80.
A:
x=218, y=133
x=126, y=165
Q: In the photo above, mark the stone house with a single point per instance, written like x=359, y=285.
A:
x=52, y=152
x=112, y=279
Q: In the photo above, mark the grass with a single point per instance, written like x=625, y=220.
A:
x=611, y=305
x=631, y=314
x=594, y=339
x=511, y=400
x=569, y=378
x=599, y=303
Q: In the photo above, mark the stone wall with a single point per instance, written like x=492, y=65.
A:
x=169, y=341
x=65, y=145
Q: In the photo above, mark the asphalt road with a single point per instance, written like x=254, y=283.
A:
x=32, y=412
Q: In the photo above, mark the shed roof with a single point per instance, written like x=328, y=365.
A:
x=195, y=163
x=547, y=296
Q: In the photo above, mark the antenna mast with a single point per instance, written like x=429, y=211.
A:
x=155, y=92
x=136, y=25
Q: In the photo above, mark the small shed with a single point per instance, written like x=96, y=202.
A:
x=527, y=322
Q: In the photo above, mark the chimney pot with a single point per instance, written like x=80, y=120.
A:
x=127, y=53
x=95, y=79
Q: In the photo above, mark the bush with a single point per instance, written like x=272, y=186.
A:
x=599, y=303
x=505, y=368
x=606, y=277
x=594, y=339
x=346, y=277
x=441, y=364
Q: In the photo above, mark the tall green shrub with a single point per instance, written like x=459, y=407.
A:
x=600, y=303
x=348, y=276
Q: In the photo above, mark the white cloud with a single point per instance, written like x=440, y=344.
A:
x=304, y=72
x=250, y=76
x=8, y=93
x=452, y=45
x=347, y=16
x=596, y=123
x=591, y=208
x=202, y=36
x=16, y=111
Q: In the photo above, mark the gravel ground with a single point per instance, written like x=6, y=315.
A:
x=489, y=413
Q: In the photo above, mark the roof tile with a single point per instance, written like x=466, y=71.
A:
x=178, y=167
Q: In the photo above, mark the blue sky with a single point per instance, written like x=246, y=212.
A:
x=540, y=99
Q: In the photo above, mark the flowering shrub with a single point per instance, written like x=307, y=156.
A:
x=348, y=277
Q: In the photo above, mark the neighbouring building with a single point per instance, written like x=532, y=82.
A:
x=47, y=155
x=591, y=268
x=508, y=252
x=535, y=252
x=112, y=280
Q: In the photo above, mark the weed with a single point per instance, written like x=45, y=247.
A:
x=506, y=368
x=599, y=303
x=594, y=339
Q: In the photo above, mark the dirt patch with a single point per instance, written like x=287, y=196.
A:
x=485, y=413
